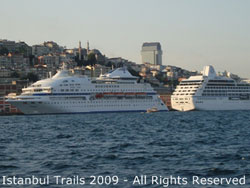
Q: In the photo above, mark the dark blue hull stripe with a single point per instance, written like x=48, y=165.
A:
x=93, y=112
x=51, y=94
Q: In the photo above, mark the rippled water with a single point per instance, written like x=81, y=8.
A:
x=209, y=144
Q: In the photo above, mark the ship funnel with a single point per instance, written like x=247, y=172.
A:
x=209, y=71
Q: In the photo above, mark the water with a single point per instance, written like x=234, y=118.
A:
x=204, y=144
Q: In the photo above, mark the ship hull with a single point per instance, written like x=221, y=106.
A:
x=211, y=103
x=98, y=106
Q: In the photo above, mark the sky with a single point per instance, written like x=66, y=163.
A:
x=192, y=33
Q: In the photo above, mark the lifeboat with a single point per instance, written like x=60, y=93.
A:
x=119, y=94
x=141, y=94
x=153, y=109
x=99, y=95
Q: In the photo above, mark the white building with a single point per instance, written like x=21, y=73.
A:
x=52, y=61
x=151, y=53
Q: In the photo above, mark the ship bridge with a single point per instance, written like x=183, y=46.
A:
x=120, y=74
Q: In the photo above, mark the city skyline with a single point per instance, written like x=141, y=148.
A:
x=192, y=34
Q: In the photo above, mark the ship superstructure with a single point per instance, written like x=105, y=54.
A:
x=211, y=92
x=116, y=91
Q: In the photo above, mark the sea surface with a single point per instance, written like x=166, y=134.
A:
x=126, y=145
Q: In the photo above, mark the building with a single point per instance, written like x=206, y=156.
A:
x=39, y=50
x=117, y=61
x=96, y=70
x=5, y=62
x=246, y=81
x=66, y=57
x=80, y=51
x=41, y=71
x=5, y=73
x=14, y=62
x=23, y=48
x=151, y=53
x=91, y=71
x=15, y=86
x=53, y=47
x=51, y=61
x=13, y=47
x=98, y=55
x=10, y=45
x=6, y=108
x=6, y=87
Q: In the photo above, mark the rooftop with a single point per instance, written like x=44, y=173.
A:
x=152, y=44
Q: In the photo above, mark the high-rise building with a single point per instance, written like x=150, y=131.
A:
x=151, y=53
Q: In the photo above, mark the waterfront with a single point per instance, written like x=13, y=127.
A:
x=206, y=144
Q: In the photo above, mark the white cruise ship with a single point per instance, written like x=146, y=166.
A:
x=116, y=91
x=211, y=92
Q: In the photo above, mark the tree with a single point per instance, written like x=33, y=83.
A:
x=160, y=78
x=31, y=77
x=79, y=62
x=22, y=50
x=15, y=75
x=32, y=59
x=109, y=64
x=4, y=51
x=133, y=72
x=91, y=59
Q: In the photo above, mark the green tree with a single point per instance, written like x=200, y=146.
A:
x=31, y=77
x=22, y=50
x=109, y=64
x=133, y=72
x=15, y=75
x=4, y=51
x=160, y=77
x=91, y=59
x=32, y=59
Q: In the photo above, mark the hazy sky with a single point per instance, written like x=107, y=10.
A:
x=193, y=33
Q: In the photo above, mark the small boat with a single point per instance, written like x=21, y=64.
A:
x=154, y=109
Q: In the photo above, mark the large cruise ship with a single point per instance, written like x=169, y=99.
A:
x=116, y=91
x=211, y=92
